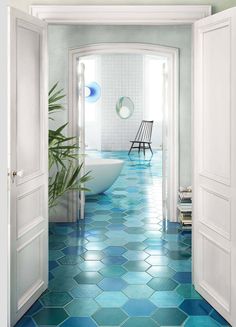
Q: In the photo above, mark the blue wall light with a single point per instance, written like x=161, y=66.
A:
x=92, y=92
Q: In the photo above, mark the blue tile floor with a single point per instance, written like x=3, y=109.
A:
x=124, y=265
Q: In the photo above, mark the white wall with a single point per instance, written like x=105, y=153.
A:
x=121, y=75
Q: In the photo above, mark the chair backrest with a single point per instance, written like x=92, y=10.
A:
x=144, y=133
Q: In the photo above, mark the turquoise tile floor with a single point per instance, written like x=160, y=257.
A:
x=124, y=265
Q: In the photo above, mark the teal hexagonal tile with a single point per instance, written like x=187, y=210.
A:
x=170, y=317
x=136, y=265
x=91, y=265
x=203, y=321
x=136, y=246
x=93, y=255
x=113, y=271
x=111, y=299
x=138, y=291
x=95, y=246
x=83, y=307
x=50, y=316
x=88, y=277
x=70, y=260
x=161, y=271
x=55, y=254
x=163, y=284
x=188, y=291
x=157, y=260
x=55, y=299
x=136, y=277
x=66, y=271
x=110, y=317
x=140, y=322
x=135, y=255
x=62, y=284
x=86, y=290
x=166, y=299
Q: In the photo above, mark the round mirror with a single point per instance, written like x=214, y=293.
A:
x=124, y=107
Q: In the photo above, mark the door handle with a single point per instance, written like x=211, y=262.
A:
x=16, y=173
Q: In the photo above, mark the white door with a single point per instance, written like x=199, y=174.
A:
x=28, y=173
x=81, y=123
x=214, y=214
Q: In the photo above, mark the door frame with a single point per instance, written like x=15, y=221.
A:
x=172, y=55
x=127, y=15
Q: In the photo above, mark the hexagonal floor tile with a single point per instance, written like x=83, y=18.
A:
x=157, y=260
x=140, y=322
x=166, y=299
x=55, y=299
x=50, y=316
x=136, y=246
x=112, y=284
x=86, y=290
x=91, y=265
x=203, y=321
x=87, y=277
x=162, y=284
x=70, y=260
x=161, y=271
x=113, y=271
x=73, y=250
x=114, y=251
x=136, y=277
x=183, y=277
x=138, y=291
x=110, y=317
x=136, y=265
x=135, y=255
x=139, y=307
x=93, y=255
x=83, y=307
x=119, y=260
x=79, y=321
x=188, y=291
x=111, y=299
x=196, y=307
x=62, y=284
x=169, y=317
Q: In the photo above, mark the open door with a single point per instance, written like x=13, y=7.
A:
x=81, y=132
x=28, y=173
x=214, y=211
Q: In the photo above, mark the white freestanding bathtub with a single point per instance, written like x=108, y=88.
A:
x=104, y=173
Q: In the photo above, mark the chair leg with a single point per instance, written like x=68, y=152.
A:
x=139, y=147
x=130, y=148
x=144, y=149
x=150, y=148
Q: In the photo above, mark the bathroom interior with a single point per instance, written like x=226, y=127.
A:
x=123, y=264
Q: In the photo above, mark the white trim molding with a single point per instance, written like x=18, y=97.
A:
x=172, y=56
x=120, y=15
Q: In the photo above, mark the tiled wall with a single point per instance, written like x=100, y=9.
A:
x=122, y=75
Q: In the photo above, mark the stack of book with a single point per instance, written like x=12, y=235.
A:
x=185, y=207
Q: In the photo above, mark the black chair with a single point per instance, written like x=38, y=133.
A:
x=143, y=137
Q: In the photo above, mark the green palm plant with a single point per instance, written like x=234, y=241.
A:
x=64, y=170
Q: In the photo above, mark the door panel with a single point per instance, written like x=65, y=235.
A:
x=28, y=101
x=28, y=159
x=214, y=202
